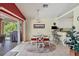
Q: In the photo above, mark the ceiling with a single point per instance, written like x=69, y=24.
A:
x=29, y=10
x=7, y=17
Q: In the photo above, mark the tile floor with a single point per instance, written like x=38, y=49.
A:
x=7, y=46
x=21, y=50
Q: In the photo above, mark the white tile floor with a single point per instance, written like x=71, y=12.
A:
x=22, y=51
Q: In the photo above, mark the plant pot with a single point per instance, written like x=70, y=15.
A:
x=77, y=53
x=72, y=52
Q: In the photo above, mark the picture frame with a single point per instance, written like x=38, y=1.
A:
x=39, y=26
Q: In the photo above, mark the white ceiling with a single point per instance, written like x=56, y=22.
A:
x=69, y=15
x=53, y=10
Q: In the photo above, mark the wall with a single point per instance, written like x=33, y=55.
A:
x=75, y=21
x=63, y=23
x=32, y=31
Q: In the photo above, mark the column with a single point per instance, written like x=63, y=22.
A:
x=1, y=26
x=18, y=30
x=24, y=30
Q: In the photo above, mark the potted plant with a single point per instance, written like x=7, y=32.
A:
x=73, y=44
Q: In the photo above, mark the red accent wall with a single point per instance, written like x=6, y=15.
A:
x=10, y=14
x=12, y=8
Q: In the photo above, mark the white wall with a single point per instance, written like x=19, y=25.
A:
x=63, y=23
x=75, y=21
x=45, y=31
x=28, y=23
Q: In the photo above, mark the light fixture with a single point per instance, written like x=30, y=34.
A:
x=38, y=17
x=38, y=12
x=45, y=5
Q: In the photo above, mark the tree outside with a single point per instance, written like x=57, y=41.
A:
x=9, y=27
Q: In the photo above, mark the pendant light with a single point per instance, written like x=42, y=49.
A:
x=38, y=17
